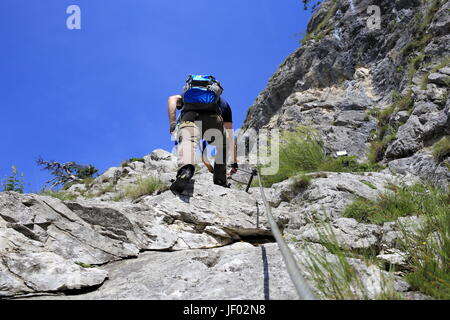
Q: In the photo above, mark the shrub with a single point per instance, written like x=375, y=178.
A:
x=14, y=182
x=302, y=182
x=144, y=186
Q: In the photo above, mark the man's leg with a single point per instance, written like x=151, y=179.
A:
x=214, y=133
x=188, y=139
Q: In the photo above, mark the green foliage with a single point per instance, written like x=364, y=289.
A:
x=442, y=64
x=84, y=265
x=378, y=147
x=88, y=182
x=386, y=133
x=403, y=201
x=428, y=247
x=302, y=151
x=429, y=250
x=349, y=164
x=413, y=65
x=61, y=195
x=14, y=182
x=318, y=32
x=335, y=280
x=417, y=45
x=126, y=163
x=104, y=190
x=403, y=102
x=370, y=185
x=66, y=173
x=85, y=172
x=390, y=295
x=441, y=149
x=335, y=276
x=424, y=23
x=144, y=186
x=302, y=182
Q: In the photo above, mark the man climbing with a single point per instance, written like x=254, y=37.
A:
x=204, y=115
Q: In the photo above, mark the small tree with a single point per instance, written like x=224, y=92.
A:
x=14, y=182
x=65, y=173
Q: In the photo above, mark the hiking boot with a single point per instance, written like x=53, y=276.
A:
x=222, y=183
x=184, y=175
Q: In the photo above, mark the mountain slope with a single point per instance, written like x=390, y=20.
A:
x=367, y=90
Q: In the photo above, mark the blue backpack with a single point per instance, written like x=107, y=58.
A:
x=201, y=93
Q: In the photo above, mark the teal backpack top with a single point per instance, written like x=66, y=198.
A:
x=201, y=93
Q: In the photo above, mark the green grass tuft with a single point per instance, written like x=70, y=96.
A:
x=126, y=163
x=429, y=251
x=61, y=195
x=441, y=149
x=302, y=182
x=370, y=185
x=348, y=164
x=84, y=265
x=404, y=201
x=302, y=151
x=385, y=132
x=442, y=64
x=335, y=277
x=144, y=186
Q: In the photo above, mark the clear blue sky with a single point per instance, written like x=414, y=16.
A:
x=98, y=95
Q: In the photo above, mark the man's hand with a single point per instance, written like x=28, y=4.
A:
x=234, y=169
x=172, y=104
x=173, y=125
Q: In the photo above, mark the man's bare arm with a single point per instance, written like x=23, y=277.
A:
x=228, y=126
x=172, y=104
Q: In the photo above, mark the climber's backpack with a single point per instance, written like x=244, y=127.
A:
x=201, y=93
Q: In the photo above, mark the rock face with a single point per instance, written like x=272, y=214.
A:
x=232, y=272
x=204, y=245
x=345, y=70
x=42, y=237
